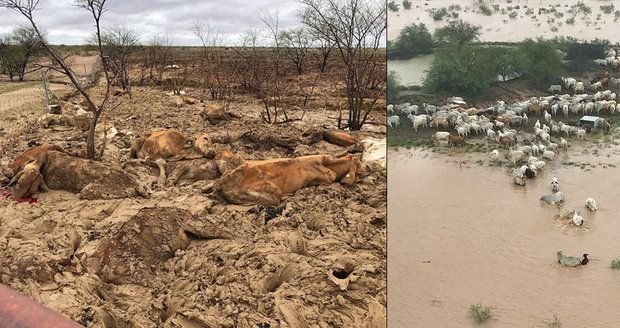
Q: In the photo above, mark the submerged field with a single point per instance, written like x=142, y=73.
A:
x=462, y=233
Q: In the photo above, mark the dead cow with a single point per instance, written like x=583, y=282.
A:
x=29, y=155
x=339, y=138
x=91, y=179
x=214, y=114
x=170, y=144
x=266, y=182
x=456, y=140
x=148, y=239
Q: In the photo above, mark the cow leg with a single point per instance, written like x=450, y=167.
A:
x=42, y=184
x=161, y=164
x=16, y=177
x=349, y=179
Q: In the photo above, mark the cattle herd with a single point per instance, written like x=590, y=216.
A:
x=530, y=131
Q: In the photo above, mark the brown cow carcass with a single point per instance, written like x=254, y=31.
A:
x=91, y=179
x=267, y=182
x=169, y=144
x=339, y=138
x=29, y=155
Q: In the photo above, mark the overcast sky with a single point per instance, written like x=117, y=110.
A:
x=66, y=24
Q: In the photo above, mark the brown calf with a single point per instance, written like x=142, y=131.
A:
x=505, y=142
x=456, y=140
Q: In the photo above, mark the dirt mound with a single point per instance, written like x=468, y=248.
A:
x=147, y=239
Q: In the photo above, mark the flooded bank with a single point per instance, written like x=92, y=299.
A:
x=461, y=233
x=411, y=71
x=501, y=27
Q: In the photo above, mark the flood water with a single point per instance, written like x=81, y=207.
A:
x=411, y=71
x=489, y=241
x=499, y=27
x=495, y=28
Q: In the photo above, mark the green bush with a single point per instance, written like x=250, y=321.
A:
x=414, y=39
x=608, y=9
x=407, y=4
x=393, y=86
x=543, y=65
x=457, y=31
x=615, y=264
x=438, y=14
x=480, y=313
x=506, y=62
x=462, y=69
x=393, y=6
x=485, y=10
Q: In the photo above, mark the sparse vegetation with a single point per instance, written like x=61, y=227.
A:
x=615, y=264
x=485, y=10
x=556, y=323
x=607, y=9
x=407, y=4
x=438, y=13
x=480, y=313
x=393, y=6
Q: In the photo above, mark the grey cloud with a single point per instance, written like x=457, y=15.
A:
x=66, y=24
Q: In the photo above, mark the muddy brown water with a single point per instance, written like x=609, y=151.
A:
x=461, y=233
x=586, y=27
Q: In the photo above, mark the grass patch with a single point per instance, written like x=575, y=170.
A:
x=556, y=323
x=6, y=87
x=615, y=264
x=485, y=10
x=411, y=143
x=480, y=313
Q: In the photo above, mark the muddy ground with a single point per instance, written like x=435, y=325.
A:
x=317, y=260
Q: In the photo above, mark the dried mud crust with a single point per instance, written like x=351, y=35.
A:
x=183, y=258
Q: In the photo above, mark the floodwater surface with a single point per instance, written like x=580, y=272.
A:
x=500, y=27
x=461, y=233
x=411, y=71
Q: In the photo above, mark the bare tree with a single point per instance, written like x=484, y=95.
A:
x=217, y=79
x=96, y=8
x=357, y=29
x=119, y=46
x=156, y=56
x=297, y=43
x=272, y=97
x=322, y=49
x=252, y=71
